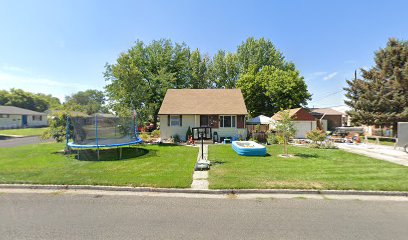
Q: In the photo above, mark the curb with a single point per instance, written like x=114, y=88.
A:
x=199, y=191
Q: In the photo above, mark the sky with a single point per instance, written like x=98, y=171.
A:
x=61, y=47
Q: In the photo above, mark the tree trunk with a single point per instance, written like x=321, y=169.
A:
x=155, y=120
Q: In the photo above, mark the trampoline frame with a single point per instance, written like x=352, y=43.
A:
x=97, y=146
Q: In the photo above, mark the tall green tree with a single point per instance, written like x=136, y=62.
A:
x=271, y=89
x=268, y=82
x=254, y=54
x=33, y=101
x=89, y=101
x=199, y=70
x=224, y=70
x=141, y=76
x=380, y=96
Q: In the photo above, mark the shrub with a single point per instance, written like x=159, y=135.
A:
x=176, y=138
x=57, y=127
x=155, y=133
x=272, y=139
x=189, y=133
x=145, y=137
x=317, y=136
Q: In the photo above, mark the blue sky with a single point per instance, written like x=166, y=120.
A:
x=61, y=47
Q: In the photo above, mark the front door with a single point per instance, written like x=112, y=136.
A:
x=24, y=120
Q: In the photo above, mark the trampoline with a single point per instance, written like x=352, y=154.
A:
x=101, y=131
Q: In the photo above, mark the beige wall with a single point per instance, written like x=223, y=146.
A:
x=15, y=121
x=194, y=121
x=37, y=123
x=302, y=127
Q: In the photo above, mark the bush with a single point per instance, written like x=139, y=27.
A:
x=145, y=137
x=189, y=133
x=176, y=138
x=272, y=139
x=317, y=136
x=155, y=133
x=57, y=127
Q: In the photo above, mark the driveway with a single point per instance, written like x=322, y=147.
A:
x=63, y=216
x=15, y=142
x=386, y=153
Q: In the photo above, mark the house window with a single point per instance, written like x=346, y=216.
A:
x=209, y=121
x=4, y=115
x=37, y=118
x=175, y=120
x=203, y=120
x=227, y=121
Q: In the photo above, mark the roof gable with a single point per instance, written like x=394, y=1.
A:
x=298, y=114
x=203, y=101
x=325, y=111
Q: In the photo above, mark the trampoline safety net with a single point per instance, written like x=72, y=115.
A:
x=103, y=131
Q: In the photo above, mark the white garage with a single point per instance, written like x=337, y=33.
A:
x=304, y=122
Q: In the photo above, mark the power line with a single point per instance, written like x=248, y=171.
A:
x=328, y=95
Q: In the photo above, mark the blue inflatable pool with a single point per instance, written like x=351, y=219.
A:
x=248, y=148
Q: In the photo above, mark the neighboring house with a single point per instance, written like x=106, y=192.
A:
x=334, y=118
x=15, y=117
x=304, y=122
x=52, y=113
x=211, y=110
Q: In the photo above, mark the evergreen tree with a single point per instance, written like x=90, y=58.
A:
x=380, y=97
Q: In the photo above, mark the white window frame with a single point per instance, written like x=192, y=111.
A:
x=37, y=118
x=174, y=119
x=233, y=121
x=4, y=115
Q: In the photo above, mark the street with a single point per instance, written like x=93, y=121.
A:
x=16, y=142
x=70, y=216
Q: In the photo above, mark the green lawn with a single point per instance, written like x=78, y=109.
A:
x=25, y=132
x=382, y=142
x=145, y=165
x=310, y=169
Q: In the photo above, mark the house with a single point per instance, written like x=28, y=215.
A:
x=15, y=117
x=334, y=118
x=304, y=122
x=216, y=112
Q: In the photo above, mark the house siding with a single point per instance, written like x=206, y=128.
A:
x=194, y=121
x=302, y=127
x=15, y=121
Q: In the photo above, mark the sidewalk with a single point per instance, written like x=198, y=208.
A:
x=386, y=153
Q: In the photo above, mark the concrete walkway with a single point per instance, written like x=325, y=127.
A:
x=386, y=153
x=200, y=178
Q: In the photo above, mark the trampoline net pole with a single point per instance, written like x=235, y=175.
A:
x=96, y=136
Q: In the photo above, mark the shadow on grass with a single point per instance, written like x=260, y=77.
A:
x=306, y=155
x=217, y=162
x=129, y=153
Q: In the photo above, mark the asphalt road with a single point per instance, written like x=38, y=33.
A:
x=15, y=142
x=68, y=216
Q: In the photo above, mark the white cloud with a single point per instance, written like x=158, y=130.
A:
x=330, y=76
x=314, y=75
x=15, y=77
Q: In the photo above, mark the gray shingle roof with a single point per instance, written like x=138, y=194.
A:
x=18, y=111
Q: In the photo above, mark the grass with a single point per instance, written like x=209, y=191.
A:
x=310, y=169
x=141, y=166
x=24, y=132
x=382, y=142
